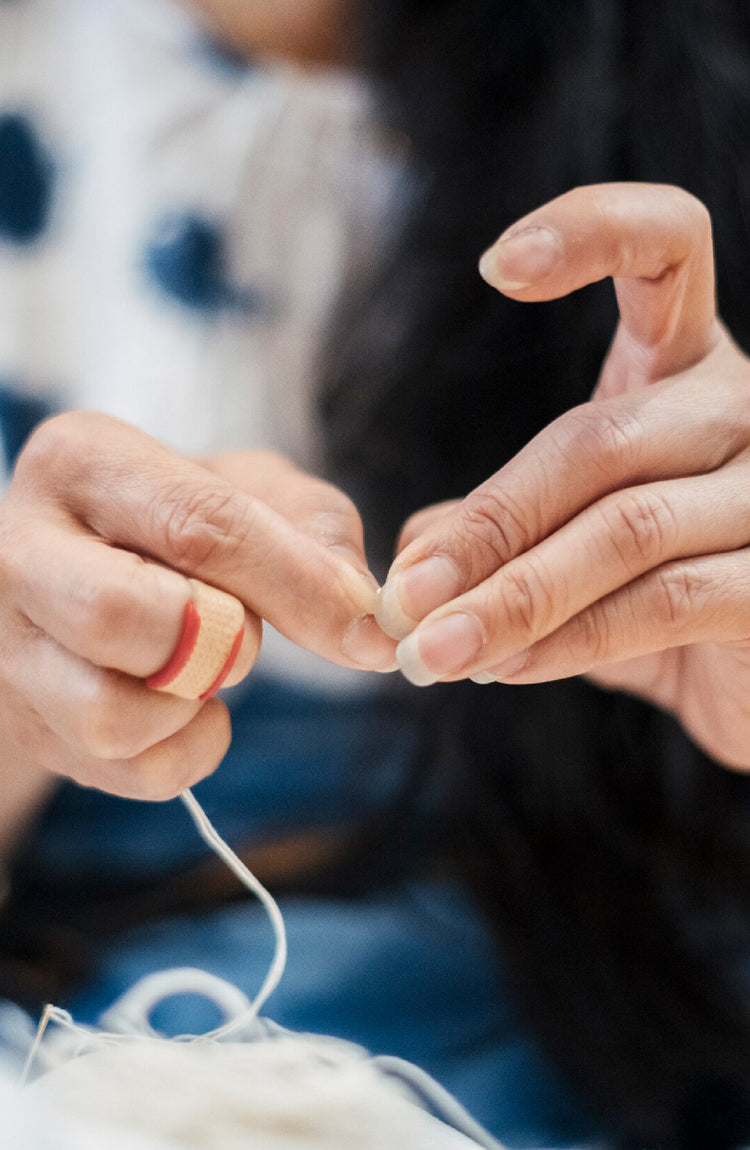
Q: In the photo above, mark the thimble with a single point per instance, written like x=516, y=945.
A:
x=211, y=637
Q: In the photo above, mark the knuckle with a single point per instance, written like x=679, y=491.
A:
x=642, y=527
x=694, y=213
x=197, y=526
x=593, y=635
x=679, y=593
x=46, y=451
x=54, y=448
x=607, y=436
x=527, y=600
x=492, y=527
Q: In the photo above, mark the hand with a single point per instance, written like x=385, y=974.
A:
x=98, y=531
x=615, y=544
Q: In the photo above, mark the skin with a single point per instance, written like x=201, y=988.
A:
x=613, y=545
x=616, y=543
x=98, y=531
x=72, y=706
x=306, y=31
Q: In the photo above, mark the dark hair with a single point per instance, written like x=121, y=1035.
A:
x=612, y=856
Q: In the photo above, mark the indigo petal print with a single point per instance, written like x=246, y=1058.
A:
x=19, y=415
x=26, y=180
x=186, y=261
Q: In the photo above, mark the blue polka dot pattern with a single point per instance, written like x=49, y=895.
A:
x=224, y=58
x=19, y=415
x=186, y=260
x=26, y=180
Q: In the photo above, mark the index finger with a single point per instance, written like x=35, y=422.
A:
x=138, y=496
x=656, y=243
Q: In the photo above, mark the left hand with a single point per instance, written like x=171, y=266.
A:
x=617, y=543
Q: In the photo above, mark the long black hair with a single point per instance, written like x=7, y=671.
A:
x=612, y=856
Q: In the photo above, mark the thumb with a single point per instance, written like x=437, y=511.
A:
x=654, y=240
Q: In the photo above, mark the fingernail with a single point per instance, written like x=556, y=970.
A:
x=510, y=666
x=361, y=586
x=483, y=677
x=521, y=258
x=365, y=644
x=411, y=594
x=442, y=648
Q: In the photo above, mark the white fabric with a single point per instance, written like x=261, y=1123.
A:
x=283, y=1093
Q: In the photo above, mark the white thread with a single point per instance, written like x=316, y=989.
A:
x=130, y=1015
x=236, y=865
x=130, y=1026
x=441, y=1100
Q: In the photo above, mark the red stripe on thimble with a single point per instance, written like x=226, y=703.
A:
x=231, y=657
x=191, y=625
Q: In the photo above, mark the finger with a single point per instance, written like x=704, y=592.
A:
x=111, y=607
x=313, y=506
x=673, y=429
x=422, y=520
x=165, y=769
x=212, y=636
x=138, y=496
x=100, y=714
x=604, y=548
x=705, y=600
x=322, y=513
x=655, y=241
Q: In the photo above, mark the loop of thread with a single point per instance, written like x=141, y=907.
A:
x=131, y=1013
x=136, y=1005
x=134, y=1008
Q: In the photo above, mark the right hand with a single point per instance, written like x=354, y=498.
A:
x=99, y=530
